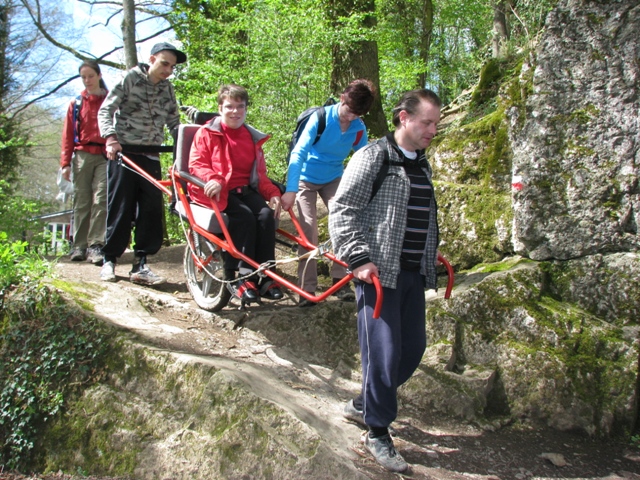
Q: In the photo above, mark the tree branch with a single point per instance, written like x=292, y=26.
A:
x=49, y=93
x=159, y=32
x=35, y=17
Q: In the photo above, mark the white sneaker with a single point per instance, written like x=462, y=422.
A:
x=385, y=453
x=108, y=272
x=350, y=412
x=144, y=276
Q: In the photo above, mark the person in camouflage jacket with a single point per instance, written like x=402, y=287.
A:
x=132, y=120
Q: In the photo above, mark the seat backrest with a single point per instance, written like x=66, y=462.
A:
x=205, y=217
x=186, y=132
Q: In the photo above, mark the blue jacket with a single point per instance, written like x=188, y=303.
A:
x=322, y=163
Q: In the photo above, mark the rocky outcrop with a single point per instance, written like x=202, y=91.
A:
x=530, y=343
x=195, y=395
x=575, y=161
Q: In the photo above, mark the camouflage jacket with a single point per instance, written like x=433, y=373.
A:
x=136, y=110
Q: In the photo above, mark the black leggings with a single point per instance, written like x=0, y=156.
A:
x=252, y=228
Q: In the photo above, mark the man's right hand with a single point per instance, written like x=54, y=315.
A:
x=287, y=200
x=364, y=272
x=112, y=148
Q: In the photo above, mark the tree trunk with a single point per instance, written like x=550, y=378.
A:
x=129, y=33
x=425, y=39
x=4, y=39
x=500, y=29
x=358, y=59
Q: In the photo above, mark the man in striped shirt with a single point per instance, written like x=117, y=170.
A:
x=393, y=236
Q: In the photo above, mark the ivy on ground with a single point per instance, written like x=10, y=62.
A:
x=48, y=351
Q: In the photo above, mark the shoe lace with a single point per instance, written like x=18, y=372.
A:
x=388, y=443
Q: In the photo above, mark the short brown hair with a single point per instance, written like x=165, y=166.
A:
x=359, y=96
x=231, y=90
x=410, y=101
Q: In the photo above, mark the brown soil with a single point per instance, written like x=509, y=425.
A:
x=436, y=448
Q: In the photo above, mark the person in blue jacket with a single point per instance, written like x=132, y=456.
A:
x=316, y=169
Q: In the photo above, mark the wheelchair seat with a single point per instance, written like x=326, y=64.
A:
x=203, y=216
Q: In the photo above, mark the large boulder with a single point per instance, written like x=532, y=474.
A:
x=530, y=343
x=576, y=159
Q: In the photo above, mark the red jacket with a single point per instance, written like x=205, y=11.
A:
x=88, y=133
x=209, y=159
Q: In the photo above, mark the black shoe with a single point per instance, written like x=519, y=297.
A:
x=245, y=291
x=306, y=303
x=271, y=290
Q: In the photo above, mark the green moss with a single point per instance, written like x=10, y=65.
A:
x=479, y=214
x=81, y=297
x=580, y=116
x=489, y=138
x=502, y=266
x=595, y=21
x=488, y=83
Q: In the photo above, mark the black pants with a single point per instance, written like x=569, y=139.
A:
x=392, y=346
x=131, y=198
x=252, y=228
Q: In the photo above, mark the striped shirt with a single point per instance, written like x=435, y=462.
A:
x=418, y=216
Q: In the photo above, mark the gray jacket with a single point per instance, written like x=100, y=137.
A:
x=137, y=110
x=360, y=228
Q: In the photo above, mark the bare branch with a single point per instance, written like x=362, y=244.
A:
x=49, y=93
x=159, y=32
x=112, y=16
x=35, y=17
x=94, y=2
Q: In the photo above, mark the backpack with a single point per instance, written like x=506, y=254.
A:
x=303, y=119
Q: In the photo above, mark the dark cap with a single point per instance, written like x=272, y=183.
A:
x=158, y=47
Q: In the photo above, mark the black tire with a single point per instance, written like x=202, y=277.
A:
x=209, y=294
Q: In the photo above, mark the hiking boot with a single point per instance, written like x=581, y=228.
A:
x=350, y=412
x=78, y=254
x=345, y=293
x=94, y=255
x=144, y=276
x=385, y=453
x=245, y=290
x=271, y=290
x=108, y=272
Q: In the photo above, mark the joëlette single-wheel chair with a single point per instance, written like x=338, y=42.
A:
x=207, y=237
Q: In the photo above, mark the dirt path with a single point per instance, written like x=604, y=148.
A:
x=248, y=342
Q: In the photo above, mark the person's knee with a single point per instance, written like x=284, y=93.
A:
x=267, y=221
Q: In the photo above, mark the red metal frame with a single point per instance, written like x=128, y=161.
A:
x=230, y=248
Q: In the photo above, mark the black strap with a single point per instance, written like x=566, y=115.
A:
x=146, y=148
x=384, y=170
x=76, y=118
x=322, y=123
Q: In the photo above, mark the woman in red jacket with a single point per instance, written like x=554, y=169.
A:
x=227, y=156
x=82, y=151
